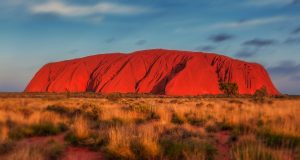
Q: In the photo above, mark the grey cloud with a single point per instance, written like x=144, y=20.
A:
x=287, y=76
x=285, y=67
x=296, y=2
x=251, y=47
x=110, y=40
x=292, y=40
x=141, y=42
x=221, y=37
x=206, y=48
x=296, y=78
x=296, y=31
x=260, y=42
x=247, y=52
x=73, y=51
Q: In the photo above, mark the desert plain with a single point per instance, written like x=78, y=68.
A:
x=114, y=126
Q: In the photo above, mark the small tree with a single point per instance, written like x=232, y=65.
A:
x=262, y=92
x=229, y=88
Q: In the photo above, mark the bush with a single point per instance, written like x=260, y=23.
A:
x=93, y=141
x=261, y=93
x=113, y=97
x=211, y=128
x=91, y=111
x=224, y=126
x=58, y=109
x=41, y=129
x=152, y=116
x=140, y=108
x=47, y=128
x=115, y=121
x=229, y=88
x=194, y=120
x=178, y=143
x=176, y=119
x=273, y=139
x=201, y=104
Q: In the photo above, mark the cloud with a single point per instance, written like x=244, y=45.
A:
x=246, y=52
x=205, y=48
x=296, y=78
x=141, y=42
x=296, y=2
x=251, y=47
x=110, y=40
x=73, y=51
x=252, y=22
x=287, y=76
x=239, y=24
x=259, y=42
x=269, y=2
x=70, y=10
x=292, y=40
x=285, y=67
x=221, y=37
x=296, y=31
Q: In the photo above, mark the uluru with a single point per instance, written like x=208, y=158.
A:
x=156, y=71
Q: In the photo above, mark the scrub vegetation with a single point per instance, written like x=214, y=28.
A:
x=150, y=127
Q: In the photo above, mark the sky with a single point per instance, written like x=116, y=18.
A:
x=36, y=32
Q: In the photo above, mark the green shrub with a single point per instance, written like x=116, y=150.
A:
x=201, y=104
x=261, y=93
x=224, y=126
x=178, y=143
x=41, y=129
x=152, y=116
x=47, y=128
x=234, y=101
x=93, y=114
x=93, y=141
x=140, y=108
x=194, y=120
x=273, y=139
x=176, y=101
x=229, y=88
x=113, y=97
x=115, y=121
x=58, y=109
x=210, y=106
x=211, y=128
x=176, y=119
x=210, y=151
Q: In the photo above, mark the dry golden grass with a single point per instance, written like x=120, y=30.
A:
x=81, y=127
x=140, y=128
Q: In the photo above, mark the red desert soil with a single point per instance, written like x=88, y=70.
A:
x=222, y=145
x=154, y=71
x=71, y=153
x=76, y=153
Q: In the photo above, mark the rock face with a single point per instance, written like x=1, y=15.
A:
x=154, y=71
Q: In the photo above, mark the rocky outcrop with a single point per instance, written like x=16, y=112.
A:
x=154, y=71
